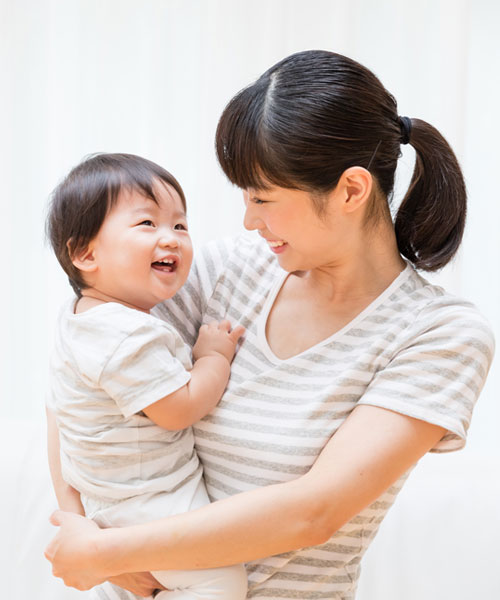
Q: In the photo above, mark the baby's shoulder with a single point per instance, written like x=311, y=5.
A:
x=107, y=322
x=91, y=338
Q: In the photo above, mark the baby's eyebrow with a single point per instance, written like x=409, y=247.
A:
x=147, y=208
x=141, y=209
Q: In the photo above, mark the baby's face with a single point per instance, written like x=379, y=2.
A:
x=143, y=251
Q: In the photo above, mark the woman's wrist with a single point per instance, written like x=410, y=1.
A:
x=108, y=552
x=115, y=552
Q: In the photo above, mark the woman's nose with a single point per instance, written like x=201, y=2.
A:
x=250, y=220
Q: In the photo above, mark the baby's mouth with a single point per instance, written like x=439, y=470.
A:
x=167, y=265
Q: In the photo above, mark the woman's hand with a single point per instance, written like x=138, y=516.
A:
x=141, y=584
x=77, y=564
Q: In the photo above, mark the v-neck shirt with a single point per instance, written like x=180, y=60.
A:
x=271, y=299
x=415, y=349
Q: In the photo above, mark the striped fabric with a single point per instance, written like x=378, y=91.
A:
x=108, y=364
x=415, y=350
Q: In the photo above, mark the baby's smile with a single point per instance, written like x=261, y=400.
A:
x=167, y=264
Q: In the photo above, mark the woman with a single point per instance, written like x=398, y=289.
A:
x=352, y=367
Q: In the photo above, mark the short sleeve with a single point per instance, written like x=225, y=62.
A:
x=438, y=373
x=144, y=367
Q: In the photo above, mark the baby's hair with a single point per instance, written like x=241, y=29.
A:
x=80, y=203
x=315, y=114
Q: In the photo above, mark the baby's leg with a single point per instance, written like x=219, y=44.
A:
x=226, y=583
x=108, y=591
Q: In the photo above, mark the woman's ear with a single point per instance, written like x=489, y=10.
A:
x=83, y=260
x=356, y=184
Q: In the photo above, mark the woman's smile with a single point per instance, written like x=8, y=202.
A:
x=277, y=246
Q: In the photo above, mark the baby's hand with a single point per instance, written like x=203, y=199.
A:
x=217, y=338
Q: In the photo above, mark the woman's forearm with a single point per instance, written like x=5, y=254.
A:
x=247, y=526
x=281, y=517
x=261, y=522
x=242, y=528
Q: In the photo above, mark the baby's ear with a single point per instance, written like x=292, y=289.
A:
x=82, y=259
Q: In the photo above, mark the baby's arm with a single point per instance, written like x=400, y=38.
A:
x=213, y=353
x=67, y=497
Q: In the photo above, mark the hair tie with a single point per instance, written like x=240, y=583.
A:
x=405, y=126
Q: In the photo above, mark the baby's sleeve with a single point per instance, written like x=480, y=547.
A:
x=437, y=375
x=144, y=368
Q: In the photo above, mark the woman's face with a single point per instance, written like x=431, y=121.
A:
x=301, y=239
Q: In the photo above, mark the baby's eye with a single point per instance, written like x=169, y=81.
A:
x=181, y=227
x=147, y=222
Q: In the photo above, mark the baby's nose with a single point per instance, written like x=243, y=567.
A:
x=168, y=240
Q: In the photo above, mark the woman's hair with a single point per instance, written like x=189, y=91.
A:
x=80, y=203
x=315, y=114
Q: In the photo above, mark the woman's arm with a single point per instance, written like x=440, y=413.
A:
x=68, y=498
x=371, y=450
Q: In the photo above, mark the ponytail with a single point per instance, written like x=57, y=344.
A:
x=430, y=221
x=315, y=114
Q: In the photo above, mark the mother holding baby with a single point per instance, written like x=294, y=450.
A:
x=352, y=366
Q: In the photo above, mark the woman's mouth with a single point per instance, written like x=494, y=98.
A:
x=277, y=246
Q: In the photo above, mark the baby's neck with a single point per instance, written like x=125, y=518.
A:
x=91, y=298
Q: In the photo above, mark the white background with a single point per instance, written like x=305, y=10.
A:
x=151, y=77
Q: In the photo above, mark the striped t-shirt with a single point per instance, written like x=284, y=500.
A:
x=108, y=364
x=415, y=349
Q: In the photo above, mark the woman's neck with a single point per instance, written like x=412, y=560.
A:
x=365, y=270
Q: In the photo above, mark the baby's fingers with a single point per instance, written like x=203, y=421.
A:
x=236, y=333
x=225, y=325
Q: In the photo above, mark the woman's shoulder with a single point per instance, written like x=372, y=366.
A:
x=434, y=308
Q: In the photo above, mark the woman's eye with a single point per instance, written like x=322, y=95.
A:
x=258, y=201
x=147, y=222
x=180, y=227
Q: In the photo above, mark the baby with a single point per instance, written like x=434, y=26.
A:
x=123, y=391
